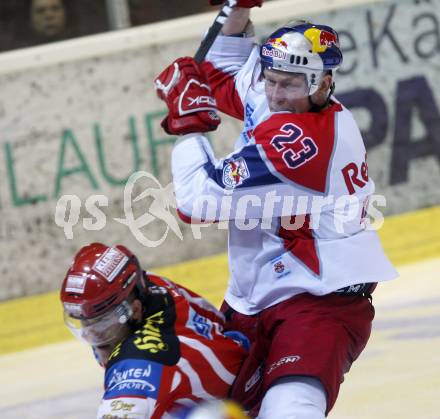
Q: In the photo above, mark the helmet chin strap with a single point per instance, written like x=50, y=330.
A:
x=314, y=107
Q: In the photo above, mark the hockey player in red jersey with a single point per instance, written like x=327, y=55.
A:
x=162, y=345
x=303, y=261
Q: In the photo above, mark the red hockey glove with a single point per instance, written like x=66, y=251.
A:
x=246, y=4
x=191, y=107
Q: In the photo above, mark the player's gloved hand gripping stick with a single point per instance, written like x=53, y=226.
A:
x=184, y=88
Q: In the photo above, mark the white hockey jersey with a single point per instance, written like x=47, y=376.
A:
x=295, y=190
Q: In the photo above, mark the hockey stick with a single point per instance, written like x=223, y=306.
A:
x=214, y=30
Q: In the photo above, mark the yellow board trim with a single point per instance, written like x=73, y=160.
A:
x=38, y=320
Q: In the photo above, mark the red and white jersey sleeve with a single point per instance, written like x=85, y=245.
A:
x=230, y=67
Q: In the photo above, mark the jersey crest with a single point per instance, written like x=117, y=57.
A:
x=235, y=172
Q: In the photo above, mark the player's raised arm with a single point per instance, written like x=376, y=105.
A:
x=239, y=17
x=237, y=21
x=227, y=58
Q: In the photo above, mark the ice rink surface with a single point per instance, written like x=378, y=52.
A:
x=397, y=376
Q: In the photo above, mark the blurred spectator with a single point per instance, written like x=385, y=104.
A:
x=25, y=23
x=56, y=20
x=48, y=19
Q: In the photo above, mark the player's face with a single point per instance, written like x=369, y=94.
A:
x=103, y=332
x=103, y=336
x=286, y=91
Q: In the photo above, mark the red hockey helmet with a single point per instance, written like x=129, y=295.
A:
x=96, y=288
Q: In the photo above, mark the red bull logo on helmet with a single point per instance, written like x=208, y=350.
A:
x=328, y=38
x=273, y=53
x=320, y=39
x=277, y=42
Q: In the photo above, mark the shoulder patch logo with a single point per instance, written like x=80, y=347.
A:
x=235, y=172
x=201, y=325
x=248, y=130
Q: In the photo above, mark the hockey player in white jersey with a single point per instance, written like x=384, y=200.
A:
x=295, y=190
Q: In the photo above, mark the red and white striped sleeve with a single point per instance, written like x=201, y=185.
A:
x=229, y=67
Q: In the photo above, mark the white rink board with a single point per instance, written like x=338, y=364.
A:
x=84, y=125
x=398, y=375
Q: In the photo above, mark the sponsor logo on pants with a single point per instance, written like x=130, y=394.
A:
x=285, y=360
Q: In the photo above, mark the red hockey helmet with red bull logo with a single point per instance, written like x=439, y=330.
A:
x=97, y=286
x=303, y=48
